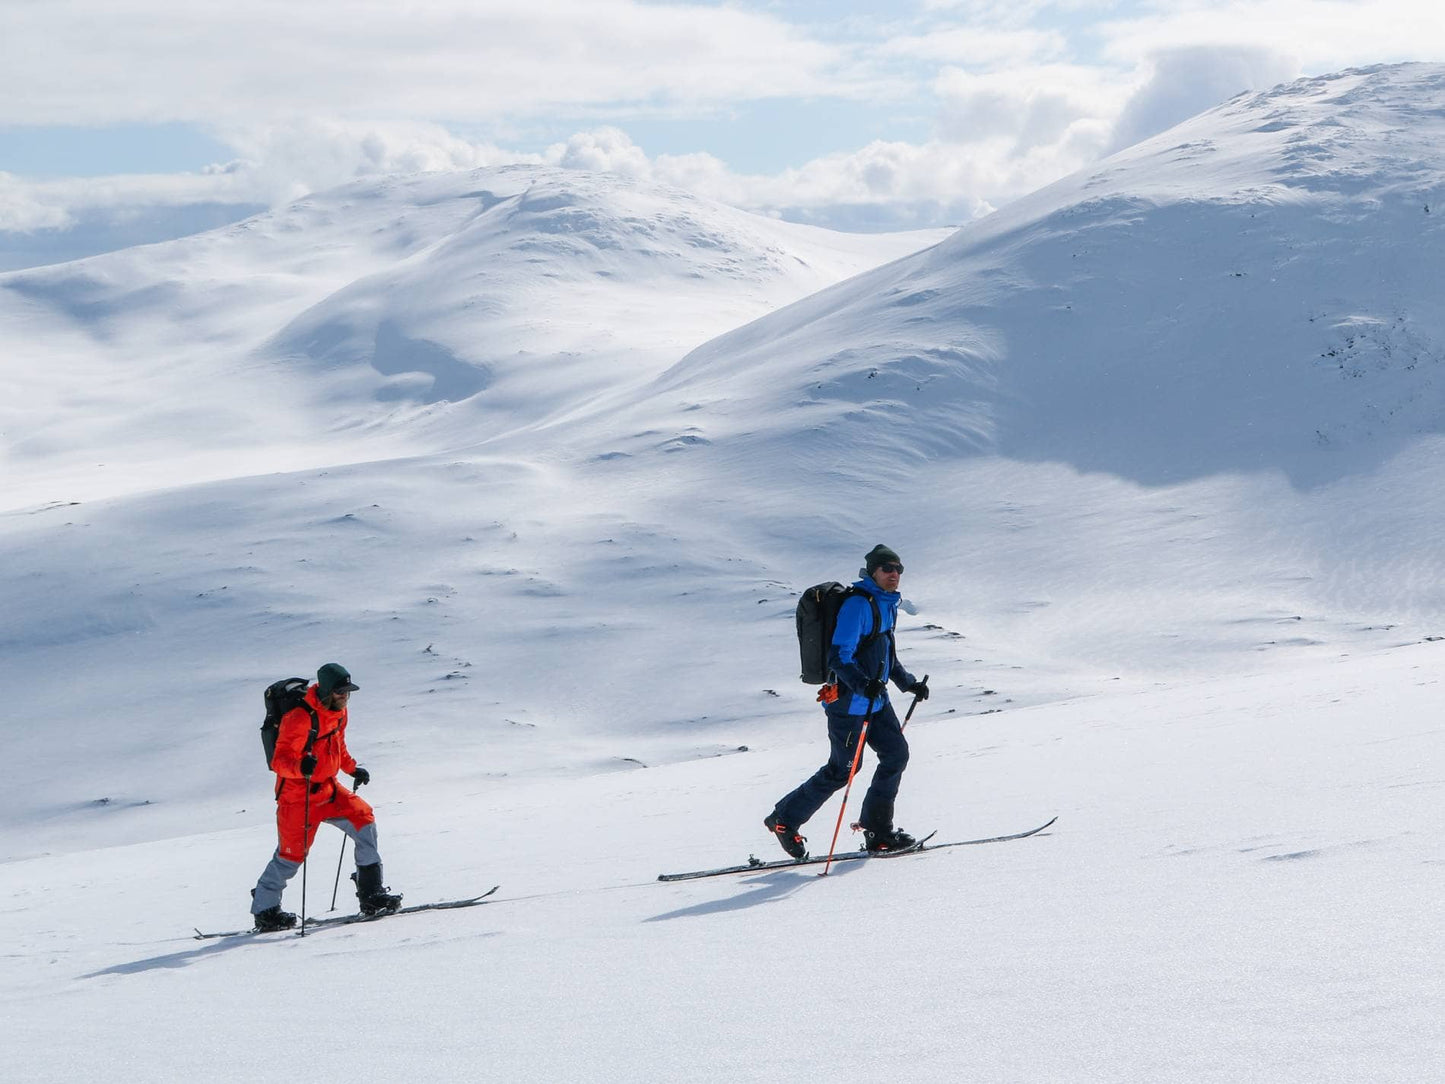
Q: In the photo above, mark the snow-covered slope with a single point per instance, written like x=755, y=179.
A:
x=1226, y=340
x=379, y=335
x=352, y=324
x=1239, y=887
x=1169, y=565
x=1255, y=289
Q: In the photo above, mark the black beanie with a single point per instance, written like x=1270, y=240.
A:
x=879, y=555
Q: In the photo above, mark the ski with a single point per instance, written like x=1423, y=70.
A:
x=992, y=839
x=756, y=865
x=346, y=920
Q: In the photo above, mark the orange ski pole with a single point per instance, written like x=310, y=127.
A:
x=857, y=756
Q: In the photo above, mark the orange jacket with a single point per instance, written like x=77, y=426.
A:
x=329, y=748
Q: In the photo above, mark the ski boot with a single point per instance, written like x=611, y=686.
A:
x=273, y=918
x=887, y=839
x=787, y=838
x=371, y=894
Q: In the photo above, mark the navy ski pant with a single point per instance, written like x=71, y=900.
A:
x=885, y=737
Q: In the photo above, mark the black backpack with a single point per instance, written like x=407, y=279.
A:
x=817, y=617
x=281, y=697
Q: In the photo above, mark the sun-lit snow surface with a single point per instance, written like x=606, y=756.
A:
x=1188, y=551
x=1242, y=885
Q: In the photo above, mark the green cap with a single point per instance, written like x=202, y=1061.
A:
x=333, y=677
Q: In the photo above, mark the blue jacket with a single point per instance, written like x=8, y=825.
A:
x=855, y=663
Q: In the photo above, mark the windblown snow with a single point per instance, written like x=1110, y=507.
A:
x=545, y=459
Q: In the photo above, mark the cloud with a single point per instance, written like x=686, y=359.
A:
x=1193, y=57
x=607, y=150
x=977, y=45
x=285, y=160
x=998, y=11
x=110, y=61
x=1191, y=79
x=90, y=230
x=1323, y=35
x=999, y=137
x=23, y=209
x=275, y=163
x=28, y=205
x=883, y=185
x=1032, y=106
x=44, y=221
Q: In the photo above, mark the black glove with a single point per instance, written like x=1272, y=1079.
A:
x=875, y=688
x=918, y=689
x=360, y=776
x=308, y=764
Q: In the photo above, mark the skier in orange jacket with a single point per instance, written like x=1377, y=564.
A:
x=308, y=794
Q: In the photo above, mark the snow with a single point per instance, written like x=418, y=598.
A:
x=363, y=322
x=545, y=459
x=1237, y=887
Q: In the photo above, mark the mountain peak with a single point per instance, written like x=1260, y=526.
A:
x=357, y=321
x=1255, y=289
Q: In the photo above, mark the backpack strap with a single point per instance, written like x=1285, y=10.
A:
x=315, y=727
x=877, y=615
x=866, y=639
x=877, y=624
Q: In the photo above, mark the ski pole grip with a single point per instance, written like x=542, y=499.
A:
x=914, y=704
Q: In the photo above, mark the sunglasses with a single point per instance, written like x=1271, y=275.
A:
x=890, y=567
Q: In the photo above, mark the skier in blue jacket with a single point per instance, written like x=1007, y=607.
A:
x=863, y=658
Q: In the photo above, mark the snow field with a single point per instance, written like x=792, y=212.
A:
x=1236, y=887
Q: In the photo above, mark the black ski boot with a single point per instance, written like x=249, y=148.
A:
x=273, y=918
x=887, y=839
x=371, y=894
x=787, y=838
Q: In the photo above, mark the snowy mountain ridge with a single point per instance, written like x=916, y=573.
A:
x=357, y=323
x=1252, y=290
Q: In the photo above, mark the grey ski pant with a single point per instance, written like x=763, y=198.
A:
x=279, y=871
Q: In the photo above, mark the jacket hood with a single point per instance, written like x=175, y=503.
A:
x=878, y=592
x=313, y=697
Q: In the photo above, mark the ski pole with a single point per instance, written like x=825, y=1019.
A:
x=911, y=706
x=306, y=851
x=857, y=756
x=342, y=858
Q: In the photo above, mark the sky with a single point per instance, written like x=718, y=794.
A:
x=126, y=120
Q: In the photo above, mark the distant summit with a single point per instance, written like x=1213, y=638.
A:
x=357, y=321
x=1255, y=289
x=545, y=286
